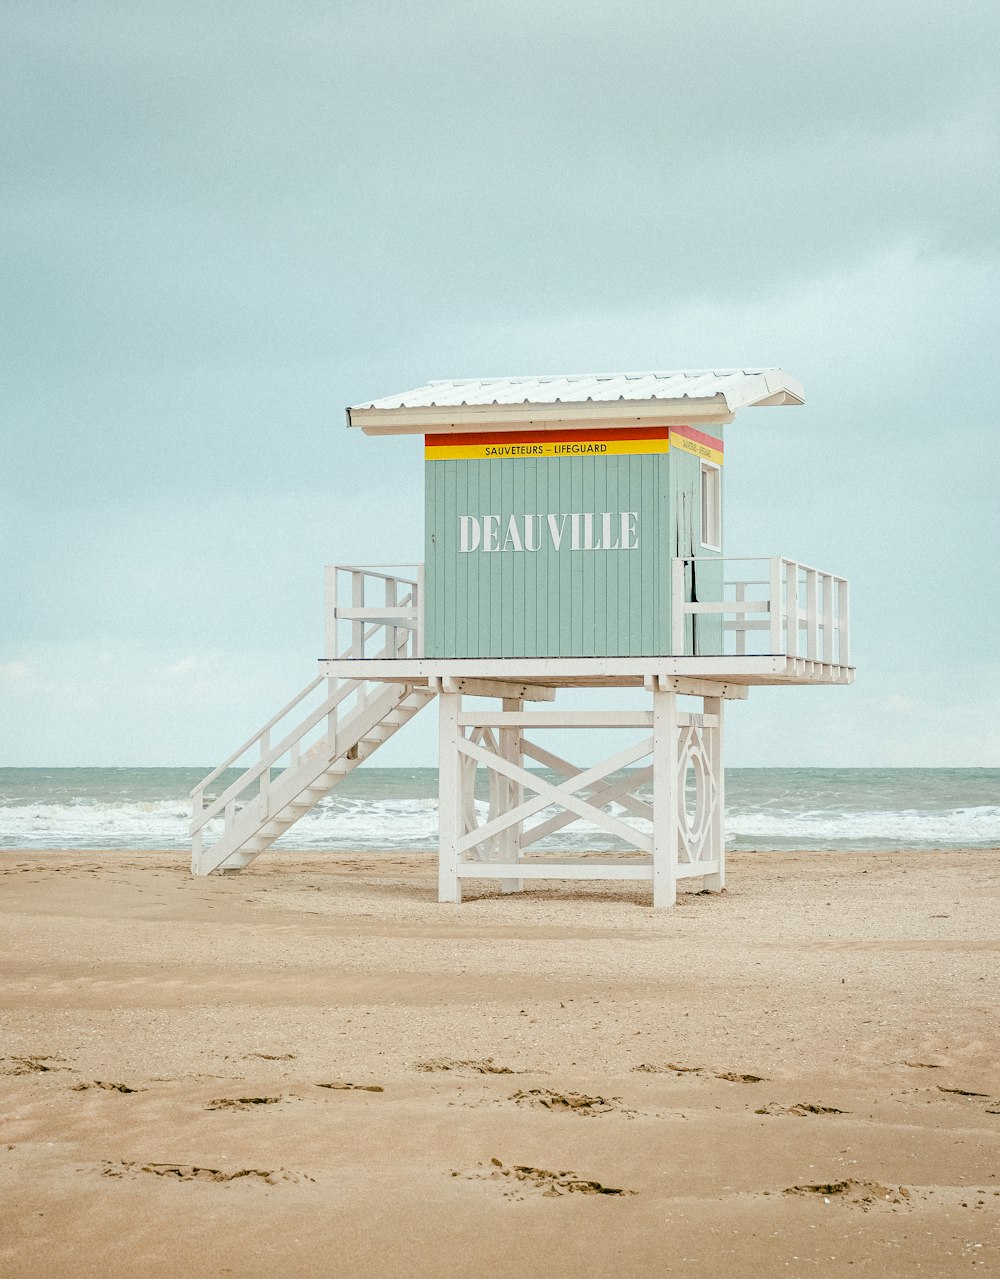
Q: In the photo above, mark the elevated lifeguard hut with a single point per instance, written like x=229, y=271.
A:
x=573, y=539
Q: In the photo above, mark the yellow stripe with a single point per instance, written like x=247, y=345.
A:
x=543, y=448
x=699, y=450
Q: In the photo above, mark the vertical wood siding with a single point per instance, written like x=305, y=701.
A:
x=550, y=603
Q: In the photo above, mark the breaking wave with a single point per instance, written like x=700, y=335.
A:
x=395, y=822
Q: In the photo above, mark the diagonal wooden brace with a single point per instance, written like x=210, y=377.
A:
x=563, y=795
x=617, y=792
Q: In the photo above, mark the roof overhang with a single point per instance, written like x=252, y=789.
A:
x=708, y=398
x=513, y=417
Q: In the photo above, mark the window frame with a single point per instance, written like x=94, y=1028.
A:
x=710, y=500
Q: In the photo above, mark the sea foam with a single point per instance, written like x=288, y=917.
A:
x=390, y=823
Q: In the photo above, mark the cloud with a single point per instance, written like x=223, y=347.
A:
x=224, y=221
x=189, y=666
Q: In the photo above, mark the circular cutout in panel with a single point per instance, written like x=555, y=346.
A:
x=698, y=797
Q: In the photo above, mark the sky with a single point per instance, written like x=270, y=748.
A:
x=222, y=222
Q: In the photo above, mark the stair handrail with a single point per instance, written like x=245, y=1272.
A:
x=252, y=741
x=201, y=815
x=275, y=719
x=258, y=817
x=270, y=757
x=371, y=571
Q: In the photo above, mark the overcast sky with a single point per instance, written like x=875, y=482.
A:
x=225, y=221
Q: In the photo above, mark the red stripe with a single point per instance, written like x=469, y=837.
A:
x=698, y=437
x=539, y=437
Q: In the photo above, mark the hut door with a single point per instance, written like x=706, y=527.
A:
x=684, y=546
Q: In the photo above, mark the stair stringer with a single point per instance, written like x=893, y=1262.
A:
x=300, y=787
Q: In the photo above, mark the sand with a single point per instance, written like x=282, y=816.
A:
x=315, y=1069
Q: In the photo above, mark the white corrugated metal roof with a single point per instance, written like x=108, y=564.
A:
x=739, y=388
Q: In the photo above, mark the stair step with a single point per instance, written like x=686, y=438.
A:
x=361, y=734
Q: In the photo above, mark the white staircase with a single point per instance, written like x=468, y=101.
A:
x=335, y=725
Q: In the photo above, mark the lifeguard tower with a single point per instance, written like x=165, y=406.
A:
x=573, y=539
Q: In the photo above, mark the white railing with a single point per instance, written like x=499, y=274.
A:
x=313, y=720
x=316, y=711
x=378, y=606
x=773, y=606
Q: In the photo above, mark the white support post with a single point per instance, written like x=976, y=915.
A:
x=678, y=639
x=716, y=882
x=450, y=789
x=777, y=608
x=512, y=794
x=665, y=798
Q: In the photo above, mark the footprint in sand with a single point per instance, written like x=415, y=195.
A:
x=194, y=1172
x=240, y=1103
x=35, y=1065
x=551, y=1185
x=668, y=1068
x=860, y=1194
x=572, y=1103
x=801, y=1108
x=671, y=1068
x=484, y=1066
x=106, y=1085
x=340, y=1086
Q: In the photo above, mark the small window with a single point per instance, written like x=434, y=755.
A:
x=711, y=506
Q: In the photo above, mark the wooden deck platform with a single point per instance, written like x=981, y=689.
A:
x=740, y=672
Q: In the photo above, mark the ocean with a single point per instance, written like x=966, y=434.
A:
x=378, y=809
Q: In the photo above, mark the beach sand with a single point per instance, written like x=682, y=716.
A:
x=315, y=1069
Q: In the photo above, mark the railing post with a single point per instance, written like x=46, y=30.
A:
x=391, y=630
x=265, y=777
x=776, y=606
x=418, y=634
x=330, y=611
x=828, y=619
x=197, y=808
x=331, y=717
x=357, y=601
x=677, y=612
x=812, y=616
x=740, y=623
x=792, y=604
x=844, y=623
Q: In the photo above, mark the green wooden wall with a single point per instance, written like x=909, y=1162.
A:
x=565, y=602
